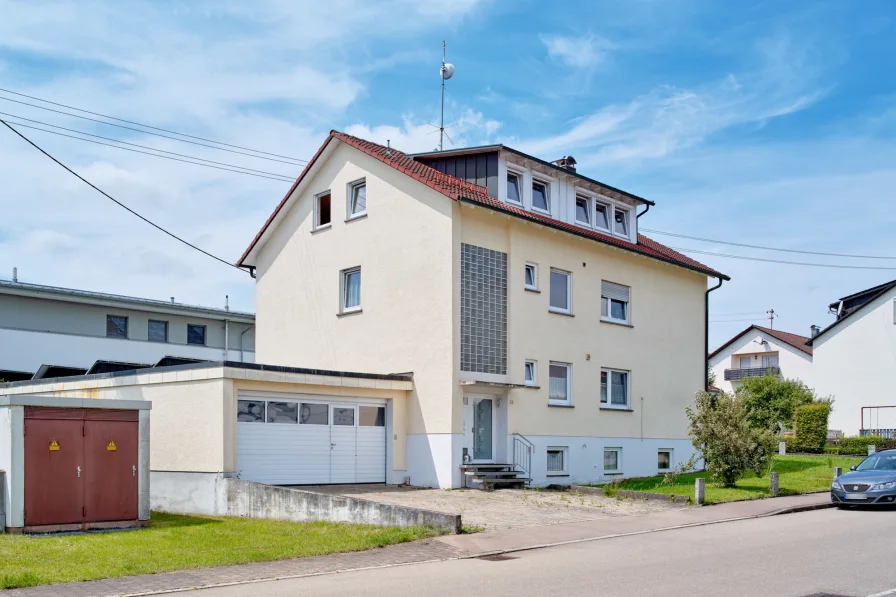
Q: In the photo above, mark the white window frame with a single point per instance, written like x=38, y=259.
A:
x=618, y=469
x=343, y=289
x=350, y=195
x=671, y=460
x=520, y=179
x=547, y=194
x=609, y=207
x=568, y=309
x=590, y=215
x=534, y=366
x=565, y=471
x=628, y=390
x=534, y=268
x=317, y=225
x=568, y=400
x=609, y=303
x=628, y=221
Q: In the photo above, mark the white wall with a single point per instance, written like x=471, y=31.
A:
x=856, y=363
x=794, y=363
x=27, y=351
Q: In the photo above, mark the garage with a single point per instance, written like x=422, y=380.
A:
x=310, y=440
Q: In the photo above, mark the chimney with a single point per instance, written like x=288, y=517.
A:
x=172, y=300
x=15, y=275
x=227, y=302
x=813, y=331
x=567, y=162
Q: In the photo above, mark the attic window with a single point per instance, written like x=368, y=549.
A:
x=540, y=196
x=357, y=199
x=583, y=211
x=513, y=187
x=620, y=216
x=322, y=215
x=602, y=216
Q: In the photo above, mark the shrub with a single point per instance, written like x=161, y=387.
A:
x=721, y=433
x=795, y=447
x=858, y=446
x=769, y=401
x=810, y=424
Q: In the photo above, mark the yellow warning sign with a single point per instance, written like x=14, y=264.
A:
x=54, y=446
x=111, y=446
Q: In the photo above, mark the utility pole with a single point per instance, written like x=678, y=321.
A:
x=771, y=318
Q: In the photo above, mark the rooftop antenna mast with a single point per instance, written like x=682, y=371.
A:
x=447, y=71
x=771, y=318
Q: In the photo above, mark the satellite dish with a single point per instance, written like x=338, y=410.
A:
x=447, y=71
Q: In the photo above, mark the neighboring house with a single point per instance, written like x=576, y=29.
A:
x=48, y=332
x=759, y=351
x=855, y=362
x=535, y=320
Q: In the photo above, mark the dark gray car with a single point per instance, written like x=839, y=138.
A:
x=871, y=483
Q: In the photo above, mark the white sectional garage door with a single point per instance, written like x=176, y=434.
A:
x=310, y=440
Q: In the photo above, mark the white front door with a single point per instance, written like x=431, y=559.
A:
x=343, y=443
x=479, y=428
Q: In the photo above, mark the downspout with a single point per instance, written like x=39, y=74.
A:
x=643, y=212
x=706, y=336
x=242, y=360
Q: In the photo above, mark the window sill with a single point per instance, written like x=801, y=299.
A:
x=321, y=228
x=535, y=290
x=530, y=386
x=356, y=217
x=616, y=408
x=560, y=405
x=541, y=211
x=558, y=312
x=624, y=324
x=613, y=473
x=557, y=475
x=352, y=312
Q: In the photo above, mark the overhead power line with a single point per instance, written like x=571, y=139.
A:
x=192, y=157
x=742, y=313
x=724, y=242
x=148, y=126
x=837, y=266
x=116, y=201
x=145, y=132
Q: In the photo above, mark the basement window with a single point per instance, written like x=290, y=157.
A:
x=322, y=216
x=664, y=460
x=612, y=460
x=557, y=461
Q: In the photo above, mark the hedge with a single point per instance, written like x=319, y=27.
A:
x=810, y=425
x=859, y=445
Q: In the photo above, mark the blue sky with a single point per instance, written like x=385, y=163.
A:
x=765, y=123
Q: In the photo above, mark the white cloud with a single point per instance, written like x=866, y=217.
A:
x=579, y=52
x=413, y=136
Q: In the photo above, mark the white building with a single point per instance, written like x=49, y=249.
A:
x=48, y=332
x=758, y=351
x=855, y=361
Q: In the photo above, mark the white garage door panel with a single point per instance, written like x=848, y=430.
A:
x=371, y=464
x=284, y=454
x=343, y=454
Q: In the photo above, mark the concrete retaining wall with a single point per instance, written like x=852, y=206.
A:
x=256, y=500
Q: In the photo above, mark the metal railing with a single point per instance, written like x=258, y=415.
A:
x=522, y=454
x=886, y=433
x=738, y=374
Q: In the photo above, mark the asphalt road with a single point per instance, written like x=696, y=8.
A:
x=829, y=552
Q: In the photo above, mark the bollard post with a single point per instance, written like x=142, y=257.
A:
x=773, y=483
x=838, y=471
x=782, y=448
x=872, y=450
x=700, y=491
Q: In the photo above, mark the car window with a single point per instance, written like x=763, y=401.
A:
x=878, y=463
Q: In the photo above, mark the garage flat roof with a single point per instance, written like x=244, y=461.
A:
x=214, y=365
x=58, y=402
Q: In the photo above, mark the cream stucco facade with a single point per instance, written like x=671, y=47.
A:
x=408, y=247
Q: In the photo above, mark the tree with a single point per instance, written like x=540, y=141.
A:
x=769, y=401
x=721, y=433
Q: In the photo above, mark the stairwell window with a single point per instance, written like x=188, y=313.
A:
x=351, y=290
x=583, y=210
x=614, y=301
x=614, y=389
x=357, y=199
x=322, y=215
x=531, y=373
x=612, y=460
x=556, y=464
x=531, y=282
x=561, y=291
x=541, y=196
x=513, y=188
x=560, y=393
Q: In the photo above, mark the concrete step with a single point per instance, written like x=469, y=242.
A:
x=492, y=473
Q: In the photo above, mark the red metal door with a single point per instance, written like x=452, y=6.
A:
x=111, y=466
x=54, y=470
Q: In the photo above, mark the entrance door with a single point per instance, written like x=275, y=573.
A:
x=343, y=443
x=54, y=471
x=482, y=429
x=110, y=456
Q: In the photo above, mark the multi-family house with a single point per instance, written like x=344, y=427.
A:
x=759, y=351
x=541, y=329
x=855, y=362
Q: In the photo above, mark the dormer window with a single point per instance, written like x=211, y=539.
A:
x=583, y=210
x=620, y=218
x=602, y=216
x=541, y=199
x=513, y=188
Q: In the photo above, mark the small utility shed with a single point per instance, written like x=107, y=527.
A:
x=73, y=464
x=213, y=422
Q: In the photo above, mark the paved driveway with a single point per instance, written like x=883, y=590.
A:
x=502, y=509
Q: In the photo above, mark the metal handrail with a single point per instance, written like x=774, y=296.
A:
x=736, y=374
x=522, y=454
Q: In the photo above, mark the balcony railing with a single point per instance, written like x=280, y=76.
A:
x=738, y=374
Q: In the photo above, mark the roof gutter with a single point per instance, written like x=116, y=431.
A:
x=643, y=212
x=706, y=336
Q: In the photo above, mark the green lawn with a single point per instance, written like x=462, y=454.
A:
x=174, y=542
x=796, y=474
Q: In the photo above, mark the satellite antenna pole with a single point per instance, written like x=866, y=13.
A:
x=446, y=72
x=771, y=318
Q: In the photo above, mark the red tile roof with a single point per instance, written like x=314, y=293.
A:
x=794, y=340
x=461, y=190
